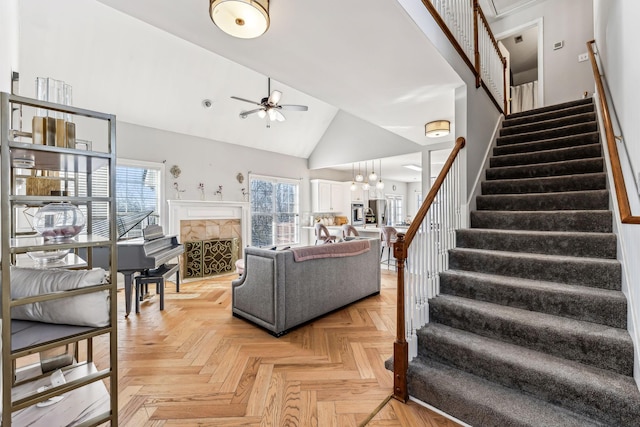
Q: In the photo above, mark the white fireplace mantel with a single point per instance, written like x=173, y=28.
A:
x=185, y=210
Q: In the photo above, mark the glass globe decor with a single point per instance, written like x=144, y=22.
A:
x=43, y=257
x=57, y=221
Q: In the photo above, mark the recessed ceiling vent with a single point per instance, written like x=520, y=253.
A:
x=518, y=39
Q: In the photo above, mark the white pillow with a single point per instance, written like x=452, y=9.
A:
x=90, y=309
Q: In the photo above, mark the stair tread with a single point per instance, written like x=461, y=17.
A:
x=576, y=384
x=550, y=151
x=598, y=305
x=565, y=234
x=550, y=123
x=549, y=108
x=547, y=133
x=481, y=402
x=548, y=178
x=560, y=162
x=565, y=112
x=534, y=145
x=527, y=255
x=547, y=322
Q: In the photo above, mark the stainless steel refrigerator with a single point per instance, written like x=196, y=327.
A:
x=379, y=210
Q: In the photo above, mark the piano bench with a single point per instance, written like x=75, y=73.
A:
x=158, y=277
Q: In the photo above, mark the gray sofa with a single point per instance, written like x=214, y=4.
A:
x=278, y=293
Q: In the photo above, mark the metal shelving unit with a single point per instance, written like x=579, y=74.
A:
x=89, y=393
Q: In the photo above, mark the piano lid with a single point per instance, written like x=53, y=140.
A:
x=125, y=222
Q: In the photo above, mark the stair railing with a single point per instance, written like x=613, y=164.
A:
x=421, y=255
x=616, y=167
x=466, y=27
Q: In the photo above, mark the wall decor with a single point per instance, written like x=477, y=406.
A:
x=240, y=177
x=175, y=171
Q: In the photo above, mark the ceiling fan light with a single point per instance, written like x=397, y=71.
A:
x=245, y=19
x=275, y=96
x=437, y=128
x=262, y=114
x=272, y=114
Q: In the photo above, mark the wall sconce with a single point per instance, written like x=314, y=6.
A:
x=245, y=19
x=437, y=128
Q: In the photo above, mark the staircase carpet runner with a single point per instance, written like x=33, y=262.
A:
x=530, y=327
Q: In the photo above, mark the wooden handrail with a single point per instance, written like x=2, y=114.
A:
x=616, y=169
x=400, y=252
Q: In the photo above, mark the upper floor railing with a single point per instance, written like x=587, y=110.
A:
x=466, y=26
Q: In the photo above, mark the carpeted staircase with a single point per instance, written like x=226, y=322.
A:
x=530, y=326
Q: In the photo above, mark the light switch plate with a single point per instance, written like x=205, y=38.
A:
x=583, y=57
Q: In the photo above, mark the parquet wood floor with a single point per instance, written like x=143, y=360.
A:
x=194, y=364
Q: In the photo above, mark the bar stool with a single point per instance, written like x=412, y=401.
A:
x=158, y=277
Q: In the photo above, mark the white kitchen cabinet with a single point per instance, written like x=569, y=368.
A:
x=327, y=196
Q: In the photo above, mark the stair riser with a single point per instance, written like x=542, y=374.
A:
x=572, y=167
x=592, y=350
x=539, y=124
x=551, y=108
x=610, y=311
x=581, y=109
x=545, y=185
x=587, y=221
x=578, y=245
x=605, y=274
x=579, y=200
x=549, y=144
x=547, y=134
x=550, y=156
x=592, y=401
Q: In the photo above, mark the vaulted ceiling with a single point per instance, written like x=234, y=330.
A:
x=369, y=61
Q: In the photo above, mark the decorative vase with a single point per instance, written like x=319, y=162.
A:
x=57, y=221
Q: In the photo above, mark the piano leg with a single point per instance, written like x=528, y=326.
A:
x=128, y=275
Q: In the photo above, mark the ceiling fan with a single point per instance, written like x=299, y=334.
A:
x=269, y=107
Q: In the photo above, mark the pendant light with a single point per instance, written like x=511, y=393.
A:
x=365, y=185
x=353, y=182
x=380, y=184
x=359, y=177
x=372, y=175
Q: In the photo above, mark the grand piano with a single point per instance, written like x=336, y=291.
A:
x=149, y=254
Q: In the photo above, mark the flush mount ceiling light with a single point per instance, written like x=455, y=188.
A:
x=245, y=19
x=413, y=167
x=437, y=128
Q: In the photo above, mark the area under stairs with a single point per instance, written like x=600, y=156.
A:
x=530, y=326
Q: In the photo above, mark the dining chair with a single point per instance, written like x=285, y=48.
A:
x=322, y=234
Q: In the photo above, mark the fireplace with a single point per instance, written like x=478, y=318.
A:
x=213, y=234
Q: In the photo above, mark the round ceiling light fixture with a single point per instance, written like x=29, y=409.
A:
x=245, y=19
x=437, y=128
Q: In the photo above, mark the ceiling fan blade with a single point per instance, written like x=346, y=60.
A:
x=275, y=96
x=244, y=114
x=246, y=100
x=294, y=107
x=279, y=116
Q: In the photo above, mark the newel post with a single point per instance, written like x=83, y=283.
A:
x=400, y=346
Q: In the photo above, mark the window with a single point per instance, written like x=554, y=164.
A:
x=138, y=190
x=396, y=210
x=274, y=211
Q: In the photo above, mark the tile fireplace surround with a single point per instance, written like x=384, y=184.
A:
x=203, y=219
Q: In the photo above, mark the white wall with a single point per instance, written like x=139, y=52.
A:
x=570, y=21
x=616, y=33
x=525, y=76
x=8, y=42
